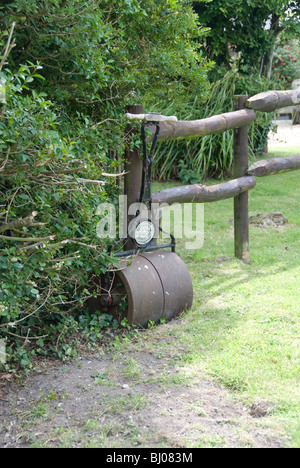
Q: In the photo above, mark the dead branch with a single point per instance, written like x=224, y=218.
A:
x=5, y=160
x=27, y=239
x=105, y=174
x=9, y=46
x=28, y=221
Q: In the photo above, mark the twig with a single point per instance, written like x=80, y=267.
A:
x=13, y=324
x=95, y=247
x=28, y=221
x=9, y=46
x=79, y=181
x=105, y=174
x=10, y=203
x=27, y=239
x=5, y=161
x=64, y=171
x=42, y=244
x=103, y=121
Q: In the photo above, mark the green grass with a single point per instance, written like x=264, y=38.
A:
x=244, y=327
x=283, y=151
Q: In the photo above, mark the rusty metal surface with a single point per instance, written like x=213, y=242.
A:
x=176, y=282
x=157, y=284
x=144, y=290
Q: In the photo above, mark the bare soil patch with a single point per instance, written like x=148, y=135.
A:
x=130, y=400
x=286, y=135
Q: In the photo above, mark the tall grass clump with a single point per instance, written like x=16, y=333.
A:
x=195, y=159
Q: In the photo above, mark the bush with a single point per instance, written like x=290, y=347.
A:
x=74, y=69
x=286, y=64
x=50, y=189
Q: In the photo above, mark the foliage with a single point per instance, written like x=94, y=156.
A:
x=48, y=202
x=240, y=39
x=192, y=160
x=102, y=54
x=286, y=63
x=71, y=69
x=247, y=27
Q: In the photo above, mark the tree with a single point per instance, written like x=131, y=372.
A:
x=98, y=53
x=248, y=27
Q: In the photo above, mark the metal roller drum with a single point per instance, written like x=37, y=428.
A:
x=176, y=282
x=157, y=284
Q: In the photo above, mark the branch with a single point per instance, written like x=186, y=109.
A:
x=28, y=221
x=57, y=245
x=64, y=171
x=27, y=239
x=5, y=160
x=105, y=174
x=9, y=46
x=31, y=247
x=78, y=182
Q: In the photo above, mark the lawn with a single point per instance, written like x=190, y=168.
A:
x=223, y=374
x=244, y=326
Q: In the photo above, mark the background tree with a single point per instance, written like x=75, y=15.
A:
x=240, y=39
x=247, y=27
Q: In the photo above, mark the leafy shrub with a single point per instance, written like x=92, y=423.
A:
x=286, y=64
x=50, y=189
x=74, y=69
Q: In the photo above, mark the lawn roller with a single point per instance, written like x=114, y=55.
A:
x=150, y=283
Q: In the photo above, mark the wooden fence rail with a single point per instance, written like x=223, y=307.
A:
x=263, y=102
x=274, y=166
x=198, y=193
x=273, y=100
x=245, y=112
x=210, y=126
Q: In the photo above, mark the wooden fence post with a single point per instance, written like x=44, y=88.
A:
x=241, y=202
x=133, y=168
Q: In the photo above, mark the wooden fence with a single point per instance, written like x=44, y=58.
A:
x=245, y=112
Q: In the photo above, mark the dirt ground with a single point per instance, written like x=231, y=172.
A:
x=133, y=399
x=287, y=134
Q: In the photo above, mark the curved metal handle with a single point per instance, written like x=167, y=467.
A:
x=152, y=117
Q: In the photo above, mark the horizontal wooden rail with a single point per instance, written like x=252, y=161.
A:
x=202, y=194
x=209, y=126
x=245, y=177
x=272, y=100
x=274, y=166
x=264, y=102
